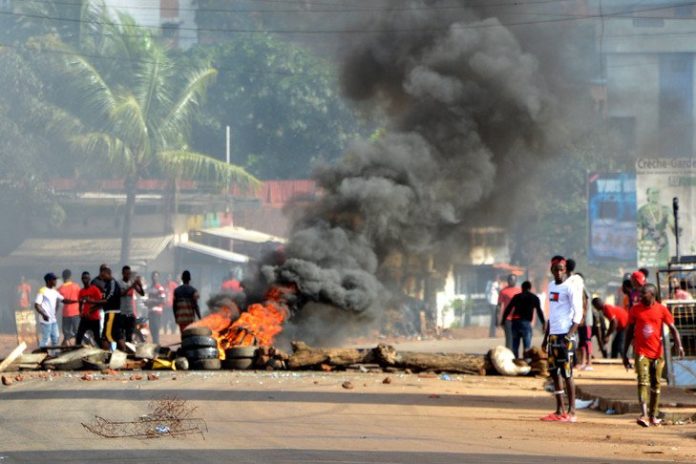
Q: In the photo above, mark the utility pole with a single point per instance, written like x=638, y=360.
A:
x=227, y=144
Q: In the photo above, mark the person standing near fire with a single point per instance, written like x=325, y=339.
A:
x=504, y=298
x=71, y=311
x=565, y=315
x=186, y=302
x=645, y=321
x=129, y=288
x=46, y=303
x=90, y=313
x=156, y=298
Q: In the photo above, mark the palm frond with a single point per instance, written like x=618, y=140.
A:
x=105, y=146
x=192, y=165
x=130, y=124
x=177, y=120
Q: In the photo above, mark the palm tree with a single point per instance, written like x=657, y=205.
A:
x=135, y=109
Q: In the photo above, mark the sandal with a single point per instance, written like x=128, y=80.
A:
x=568, y=418
x=643, y=422
x=553, y=417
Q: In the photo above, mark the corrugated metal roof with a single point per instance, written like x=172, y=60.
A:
x=218, y=253
x=246, y=235
x=84, y=251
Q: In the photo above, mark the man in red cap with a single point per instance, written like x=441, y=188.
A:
x=638, y=280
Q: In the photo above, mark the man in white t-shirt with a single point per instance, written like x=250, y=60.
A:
x=46, y=304
x=565, y=315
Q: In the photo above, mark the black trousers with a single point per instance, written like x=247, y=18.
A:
x=85, y=325
x=128, y=326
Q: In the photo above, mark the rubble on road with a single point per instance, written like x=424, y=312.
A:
x=381, y=359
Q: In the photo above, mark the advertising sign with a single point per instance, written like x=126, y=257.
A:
x=612, y=216
x=658, y=181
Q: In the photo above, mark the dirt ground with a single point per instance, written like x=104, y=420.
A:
x=311, y=418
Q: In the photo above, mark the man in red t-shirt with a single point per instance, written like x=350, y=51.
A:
x=71, y=311
x=618, y=321
x=504, y=299
x=645, y=320
x=89, y=312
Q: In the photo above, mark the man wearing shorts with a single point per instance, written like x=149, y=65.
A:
x=645, y=320
x=565, y=314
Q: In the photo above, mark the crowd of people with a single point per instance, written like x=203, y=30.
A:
x=574, y=319
x=106, y=309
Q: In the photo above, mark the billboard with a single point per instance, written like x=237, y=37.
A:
x=612, y=216
x=658, y=181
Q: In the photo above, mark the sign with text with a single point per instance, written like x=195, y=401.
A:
x=658, y=181
x=612, y=216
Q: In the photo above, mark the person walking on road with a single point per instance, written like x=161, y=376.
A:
x=524, y=305
x=186, y=302
x=504, y=299
x=645, y=320
x=565, y=314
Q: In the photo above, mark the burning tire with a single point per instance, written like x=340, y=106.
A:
x=241, y=352
x=238, y=363
x=197, y=354
x=196, y=332
x=198, y=341
x=205, y=365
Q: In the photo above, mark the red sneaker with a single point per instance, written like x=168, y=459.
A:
x=553, y=417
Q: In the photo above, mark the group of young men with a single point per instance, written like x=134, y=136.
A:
x=644, y=320
x=106, y=307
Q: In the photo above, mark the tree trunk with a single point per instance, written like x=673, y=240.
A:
x=169, y=206
x=131, y=185
x=306, y=357
x=457, y=363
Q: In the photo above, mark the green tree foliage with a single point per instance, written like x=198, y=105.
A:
x=281, y=103
x=550, y=215
x=118, y=97
x=25, y=154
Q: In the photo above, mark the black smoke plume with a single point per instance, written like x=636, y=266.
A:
x=464, y=108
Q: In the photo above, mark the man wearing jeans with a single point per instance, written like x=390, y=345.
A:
x=522, y=307
x=45, y=304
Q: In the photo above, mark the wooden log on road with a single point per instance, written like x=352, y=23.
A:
x=306, y=357
x=456, y=363
x=14, y=354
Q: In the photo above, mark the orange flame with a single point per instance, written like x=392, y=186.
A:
x=258, y=326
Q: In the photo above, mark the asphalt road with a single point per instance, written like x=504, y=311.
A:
x=283, y=418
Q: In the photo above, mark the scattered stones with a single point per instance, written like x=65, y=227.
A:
x=152, y=377
x=7, y=381
x=136, y=377
x=19, y=378
x=387, y=380
x=348, y=385
x=87, y=377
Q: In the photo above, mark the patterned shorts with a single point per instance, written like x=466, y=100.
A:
x=561, y=351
